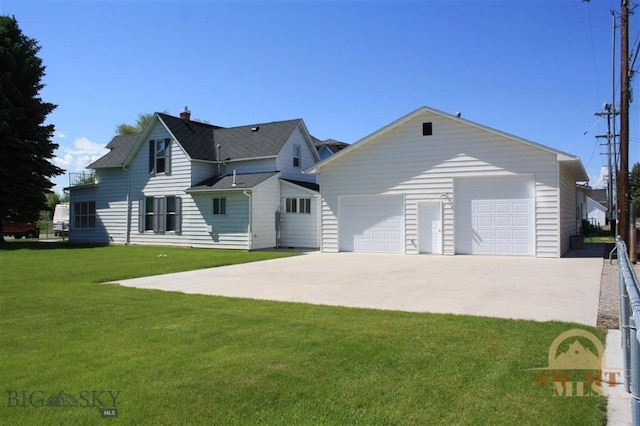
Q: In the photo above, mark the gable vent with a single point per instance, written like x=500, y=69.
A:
x=427, y=129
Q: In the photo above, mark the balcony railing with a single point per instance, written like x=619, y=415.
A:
x=87, y=177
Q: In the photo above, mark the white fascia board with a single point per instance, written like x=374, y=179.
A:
x=204, y=191
x=307, y=137
x=145, y=134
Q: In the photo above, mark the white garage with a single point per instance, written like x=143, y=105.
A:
x=372, y=224
x=437, y=183
x=494, y=215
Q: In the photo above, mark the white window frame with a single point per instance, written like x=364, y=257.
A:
x=221, y=208
x=297, y=156
x=292, y=205
x=84, y=215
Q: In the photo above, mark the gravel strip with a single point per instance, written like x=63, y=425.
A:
x=608, y=306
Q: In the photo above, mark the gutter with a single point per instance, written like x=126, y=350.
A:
x=249, y=227
x=127, y=235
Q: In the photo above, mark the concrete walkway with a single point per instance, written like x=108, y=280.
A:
x=564, y=289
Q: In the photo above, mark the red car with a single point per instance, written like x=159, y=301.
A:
x=19, y=230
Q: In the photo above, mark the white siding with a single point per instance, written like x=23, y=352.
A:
x=110, y=196
x=568, y=217
x=229, y=231
x=173, y=183
x=402, y=161
x=265, y=202
x=263, y=165
x=297, y=229
x=201, y=170
x=285, y=159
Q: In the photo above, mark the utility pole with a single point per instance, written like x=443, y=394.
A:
x=610, y=113
x=623, y=176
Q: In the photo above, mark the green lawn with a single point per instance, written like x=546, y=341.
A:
x=190, y=359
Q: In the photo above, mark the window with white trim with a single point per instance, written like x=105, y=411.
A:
x=297, y=205
x=160, y=156
x=219, y=206
x=84, y=215
x=297, y=153
x=160, y=214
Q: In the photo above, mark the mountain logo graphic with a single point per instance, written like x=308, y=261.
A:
x=62, y=399
x=576, y=356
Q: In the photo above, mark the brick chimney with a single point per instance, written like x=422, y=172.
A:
x=186, y=114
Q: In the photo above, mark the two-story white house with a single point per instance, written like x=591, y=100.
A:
x=182, y=182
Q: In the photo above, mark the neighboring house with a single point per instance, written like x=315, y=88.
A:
x=328, y=147
x=596, y=213
x=182, y=182
x=432, y=182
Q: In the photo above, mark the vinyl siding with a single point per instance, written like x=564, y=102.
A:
x=297, y=229
x=250, y=166
x=173, y=183
x=568, y=217
x=265, y=202
x=285, y=159
x=402, y=161
x=229, y=231
x=110, y=196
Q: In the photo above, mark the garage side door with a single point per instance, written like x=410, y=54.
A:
x=371, y=224
x=494, y=216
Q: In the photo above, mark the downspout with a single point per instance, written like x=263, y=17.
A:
x=249, y=230
x=127, y=236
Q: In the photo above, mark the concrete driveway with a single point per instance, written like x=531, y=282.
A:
x=564, y=289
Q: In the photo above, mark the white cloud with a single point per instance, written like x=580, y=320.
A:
x=75, y=158
x=82, y=153
x=601, y=180
x=61, y=135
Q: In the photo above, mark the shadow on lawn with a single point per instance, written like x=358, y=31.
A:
x=8, y=245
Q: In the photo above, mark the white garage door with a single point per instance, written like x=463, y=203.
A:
x=494, y=216
x=371, y=224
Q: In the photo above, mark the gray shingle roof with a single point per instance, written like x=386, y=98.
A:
x=119, y=147
x=200, y=140
x=254, y=141
x=225, y=183
x=196, y=138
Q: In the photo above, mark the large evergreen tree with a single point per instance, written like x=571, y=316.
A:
x=26, y=147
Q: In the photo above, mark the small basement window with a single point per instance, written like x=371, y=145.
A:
x=427, y=129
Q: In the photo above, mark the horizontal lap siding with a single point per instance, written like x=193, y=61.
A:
x=265, y=202
x=402, y=161
x=110, y=196
x=299, y=229
x=285, y=160
x=174, y=183
x=568, y=217
x=229, y=231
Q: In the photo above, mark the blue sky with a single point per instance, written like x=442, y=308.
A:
x=533, y=68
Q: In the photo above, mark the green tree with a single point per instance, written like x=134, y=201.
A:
x=53, y=198
x=25, y=166
x=634, y=187
x=132, y=129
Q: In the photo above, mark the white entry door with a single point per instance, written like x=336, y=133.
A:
x=430, y=228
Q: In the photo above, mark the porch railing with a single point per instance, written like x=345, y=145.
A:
x=86, y=177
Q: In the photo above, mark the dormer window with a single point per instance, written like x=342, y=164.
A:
x=297, y=150
x=159, y=156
